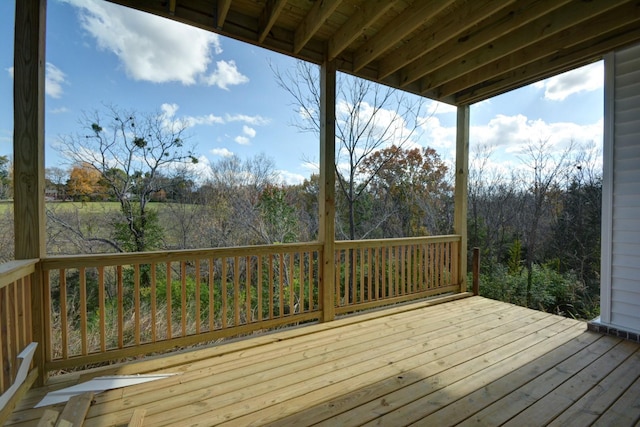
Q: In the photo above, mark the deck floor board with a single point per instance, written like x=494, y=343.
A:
x=468, y=362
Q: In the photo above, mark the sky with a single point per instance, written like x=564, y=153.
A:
x=101, y=54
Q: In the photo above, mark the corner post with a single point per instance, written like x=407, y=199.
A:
x=28, y=152
x=327, y=205
x=462, y=174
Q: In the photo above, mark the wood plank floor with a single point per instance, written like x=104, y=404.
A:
x=471, y=361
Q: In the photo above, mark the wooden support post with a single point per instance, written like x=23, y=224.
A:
x=462, y=173
x=28, y=151
x=476, y=271
x=327, y=187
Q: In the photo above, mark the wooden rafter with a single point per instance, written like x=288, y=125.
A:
x=515, y=42
x=318, y=14
x=484, y=33
x=356, y=26
x=552, y=64
x=269, y=16
x=563, y=40
x=408, y=21
x=449, y=50
x=222, y=10
x=443, y=29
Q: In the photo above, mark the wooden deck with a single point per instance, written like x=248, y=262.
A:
x=471, y=361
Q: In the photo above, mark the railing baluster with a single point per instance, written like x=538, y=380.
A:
x=259, y=287
x=183, y=298
x=212, y=286
x=83, y=310
x=120, y=307
x=169, y=306
x=290, y=285
x=236, y=291
x=247, y=289
x=154, y=302
x=223, y=282
x=136, y=298
x=301, y=282
x=198, y=279
x=63, y=313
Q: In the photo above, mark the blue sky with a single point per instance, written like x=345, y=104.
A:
x=99, y=53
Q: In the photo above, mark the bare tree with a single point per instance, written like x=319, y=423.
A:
x=369, y=117
x=130, y=150
x=543, y=172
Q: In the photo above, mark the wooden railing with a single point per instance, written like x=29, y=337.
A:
x=106, y=307
x=15, y=316
x=100, y=308
x=371, y=273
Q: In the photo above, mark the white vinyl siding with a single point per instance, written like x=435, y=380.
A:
x=623, y=200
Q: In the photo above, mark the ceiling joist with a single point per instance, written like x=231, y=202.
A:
x=456, y=51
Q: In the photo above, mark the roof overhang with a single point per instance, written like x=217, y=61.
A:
x=455, y=51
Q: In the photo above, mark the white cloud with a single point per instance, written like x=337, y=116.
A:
x=242, y=140
x=515, y=133
x=290, y=177
x=149, y=48
x=584, y=79
x=221, y=152
x=249, y=131
x=436, y=107
x=225, y=75
x=54, y=79
x=252, y=120
x=60, y=110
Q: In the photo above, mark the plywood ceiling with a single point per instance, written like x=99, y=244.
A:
x=456, y=51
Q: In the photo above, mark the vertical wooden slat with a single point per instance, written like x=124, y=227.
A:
x=169, y=305
x=281, y=283
x=63, y=313
x=369, y=274
x=48, y=312
x=311, y=279
x=236, y=291
x=377, y=274
x=339, y=285
x=212, y=284
x=154, y=302
x=292, y=291
x=420, y=256
x=223, y=284
x=270, y=281
x=83, y=310
x=396, y=257
x=352, y=276
x=362, y=262
x=259, y=287
x=183, y=298
x=5, y=368
x=301, y=282
x=21, y=314
x=101, y=308
x=404, y=279
x=198, y=278
x=386, y=278
x=137, y=318
x=248, y=286
x=14, y=328
x=416, y=263
x=120, y=307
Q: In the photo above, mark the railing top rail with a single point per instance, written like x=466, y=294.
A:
x=97, y=260
x=344, y=244
x=14, y=270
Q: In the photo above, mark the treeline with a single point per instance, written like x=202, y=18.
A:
x=537, y=225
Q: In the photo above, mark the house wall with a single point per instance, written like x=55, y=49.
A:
x=620, y=287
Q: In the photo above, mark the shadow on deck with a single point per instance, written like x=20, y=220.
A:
x=471, y=361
